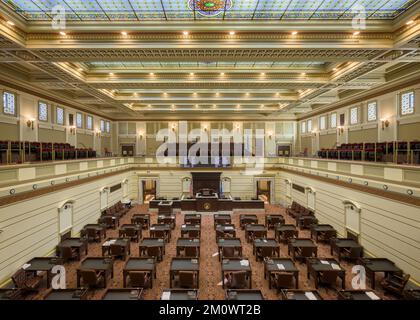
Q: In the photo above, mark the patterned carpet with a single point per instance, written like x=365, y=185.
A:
x=210, y=269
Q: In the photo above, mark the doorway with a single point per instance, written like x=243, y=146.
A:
x=149, y=190
x=264, y=190
x=127, y=150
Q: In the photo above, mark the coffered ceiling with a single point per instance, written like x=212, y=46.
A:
x=132, y=59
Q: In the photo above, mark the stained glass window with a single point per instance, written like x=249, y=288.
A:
x=354, y=115
x=102, y=126
x=372, y=111
x=108, y=127
x=89, y=122
x=322, y=123
x=42, y=111
x=59, y=115
x=407, y=103
x=303, y=127
x=9, y=103
x=309, y=126
x=333, y=120
x=135, y=10
x=79, y=120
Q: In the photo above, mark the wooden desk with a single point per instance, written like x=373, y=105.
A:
x=167, y=219
x=357, y=295
x=280, y=231
x=139, y=264
x=268, y=242
x=152, y=242
x=275, y=265
x=67, y=294
x=220, y=219
x=179, y=294
x=192, y=219
x=340, y=244
x=40, y=264
x=127, y=227
x=288, y=294
x=142, y=219
x=102, y=265
x=244, y=294
x=77, y=244
x=231, y=243
x=123, y=294
x=374, y=265
x=246, y=219
x=156, y=229
x=316, y=266
x=190, y=242
x=122, y=242
x=184, y=264
x=226, y=229
x=272, y=219
x=298, y=244
x=236, y=264
x=325, y=231
x=186, y=228
x=250, y=229
x=100, y=230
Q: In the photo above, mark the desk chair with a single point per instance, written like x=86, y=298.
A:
x=260, y=234
x=193, y=234
x=191, y=252
x=139, y=279
x=228, y=252
x=289, y=234
x=67, y=254
x=395, y=283
x=187, y=279
x=154, y=252
x=264, y=252
x=162, y=234
x=237, y=280
x=352, y=253
x=117, y=251
x=92, y=279
x=282, y=280
x=108, y=221
x=132, y=234
x=92, y=235
x=328, y=278
x=305, y=252
x=26, y=282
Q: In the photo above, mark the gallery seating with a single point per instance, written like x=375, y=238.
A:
x=395, y=151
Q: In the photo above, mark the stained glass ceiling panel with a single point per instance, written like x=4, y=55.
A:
x=134, y=10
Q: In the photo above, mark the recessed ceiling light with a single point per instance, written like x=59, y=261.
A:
x=410, y=22
x=185, y=33
x=238, y=106
x=111, y=73
x=214, y=106
x=151, y=73
x=263, y=73
x=262, y=106
x=124, y=33
x=62, y=33
x=10, y=23
x=222, y=73
x=149, y=106
x=356, y=33
x=191, y=73
x=195, y=93
x=247, y=94
x=80, y=69
x=164, y=93
x=232, y=33
x=294, y=33
x=196, y=105
x=303, y=73
x=334, y=69
x=217, y=94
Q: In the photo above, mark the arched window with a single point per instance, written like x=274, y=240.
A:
x=226, y=184
x=124, y=185
x=186, y=185
x=65, y=217
x=310, y=193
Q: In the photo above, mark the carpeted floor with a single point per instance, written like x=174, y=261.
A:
x=210, y=270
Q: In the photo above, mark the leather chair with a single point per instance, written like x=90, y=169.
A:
x=228, y=252
x=259, y=234
x=26, y=282
x=132, y=234
x=282, y=280
x=161, y=234
x=275, y=220
x=288, y=234
x=328, y=278
x=305, y=252
x=92, y=279
x=395, y=283
x=265, y=252
x=237, y=280
x=92, y=235
x=67, y=254
x=117, y=251
x=108, y=221
x=352, y=253
x=154, y=252
x=187, y=279
x=194, y=234
x=191, y=252
x=139, y=279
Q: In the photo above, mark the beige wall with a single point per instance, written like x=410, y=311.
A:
x=400, y=127
x=30, y=228
x=15, y=127
x=389, y=229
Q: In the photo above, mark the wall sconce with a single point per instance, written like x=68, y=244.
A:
x=340, y=130
x=238, y=127
x=141, y=136
x=98, y=133
x=73, y=130
x=30, y=124
x=205, y=128
x=385, y=124
x=173, y=128
x=314, y=133
x=270, y=135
